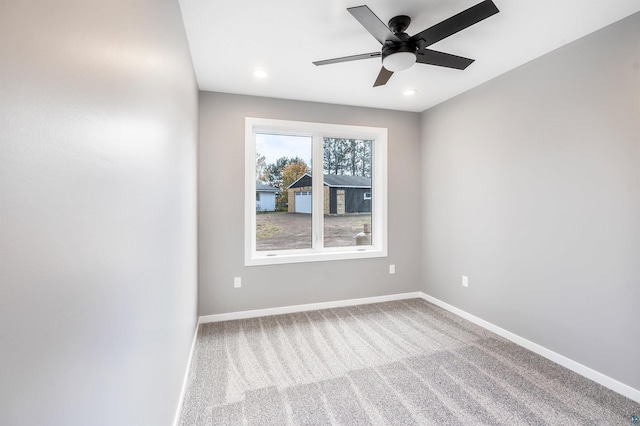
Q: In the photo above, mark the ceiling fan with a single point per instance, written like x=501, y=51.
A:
x=400, y=51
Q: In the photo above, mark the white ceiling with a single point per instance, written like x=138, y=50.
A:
x=230, y=39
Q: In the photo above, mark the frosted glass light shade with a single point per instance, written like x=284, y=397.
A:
x=399, y=61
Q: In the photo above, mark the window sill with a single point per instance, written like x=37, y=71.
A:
x=279, y=258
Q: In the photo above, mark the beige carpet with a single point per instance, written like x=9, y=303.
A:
x=396, y=363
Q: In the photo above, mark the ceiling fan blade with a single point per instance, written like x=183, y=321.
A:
x=373, y=24
x=383, y=77
x=441, y=59
x=348, y=58
x=456, y=23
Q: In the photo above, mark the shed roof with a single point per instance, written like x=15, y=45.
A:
x=266, y=188
x=337, y=181
x=347, y=181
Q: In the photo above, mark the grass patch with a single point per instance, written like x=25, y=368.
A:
x=358, y=224
x=266, y=230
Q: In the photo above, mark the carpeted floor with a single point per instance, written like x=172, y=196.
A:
x=395, y=363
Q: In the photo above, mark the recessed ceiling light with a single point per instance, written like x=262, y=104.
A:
x=260, y=74
x=409, y=92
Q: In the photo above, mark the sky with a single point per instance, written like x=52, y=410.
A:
x=273, y=147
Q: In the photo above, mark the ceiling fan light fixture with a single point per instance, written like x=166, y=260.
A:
x=399, y=61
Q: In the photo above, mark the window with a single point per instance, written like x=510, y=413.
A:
x=332, y=197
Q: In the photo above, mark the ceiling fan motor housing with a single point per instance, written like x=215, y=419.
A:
x=404, y=51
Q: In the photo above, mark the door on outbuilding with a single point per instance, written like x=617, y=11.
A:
x=303, y=202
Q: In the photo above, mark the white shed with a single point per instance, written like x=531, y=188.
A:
x=266, y=198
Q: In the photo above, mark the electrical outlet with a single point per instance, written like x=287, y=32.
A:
x=392, y=269
x=465, y=281
x=237, y=282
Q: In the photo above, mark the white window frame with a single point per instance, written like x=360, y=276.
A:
x=317, y=252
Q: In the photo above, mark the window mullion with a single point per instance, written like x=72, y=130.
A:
x=317, y=185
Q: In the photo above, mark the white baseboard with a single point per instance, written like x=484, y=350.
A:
x=186, y=375
x=307, y=307
x=574, y=366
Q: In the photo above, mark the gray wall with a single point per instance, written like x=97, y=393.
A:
x=532, y=188
x=221, y=211
x=97, y=212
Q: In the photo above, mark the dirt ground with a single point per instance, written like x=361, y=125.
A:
x=280, y=230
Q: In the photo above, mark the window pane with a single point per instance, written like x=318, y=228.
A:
x=348, y=192
x=283, y=198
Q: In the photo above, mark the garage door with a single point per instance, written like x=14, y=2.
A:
x=303, y=202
